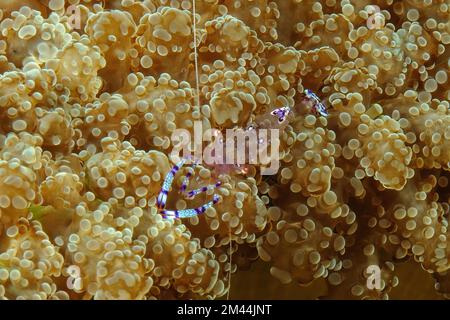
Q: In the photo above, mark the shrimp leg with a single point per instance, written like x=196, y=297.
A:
x=162, y=197
x=188, y=213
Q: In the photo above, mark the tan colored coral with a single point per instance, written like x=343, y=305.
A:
x=158, y=107
x=356, y=279
x=113, y=32
x=16, y=105
x=351, y=77
x=18, y=190
x=296, y=17
x=231, y=95
x=426, y=126
x=105, y=117
x=385, y=156
x=278, y=67
x=418, y=229
x=163, y=41
x=24, y=148
x=93, y=92
x=309, y=166
x=62, y=190
x=28, y=33
x=112, y=265
x=433, y=15
x=5, y=65
x=136, y=8
x=76, y=67
x=120, y=171
x=10, y=6
x=29, y=264
x=316, y=66
x=33, y=90
x=332, y=31
x=261, y=15
x=180, y=261
x=240, y=213
x=228, y=39
x=21, y=163
x=300, y=248
x=54, y=127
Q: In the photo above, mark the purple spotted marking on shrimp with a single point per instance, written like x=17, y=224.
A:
x=187, y=177
x=186, y=213
x=318, y=107
x=193, y=193
x=281, y=113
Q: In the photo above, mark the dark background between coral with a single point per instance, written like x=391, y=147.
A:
x=257, y=283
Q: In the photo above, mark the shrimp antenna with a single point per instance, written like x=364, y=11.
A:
x=194, y=13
